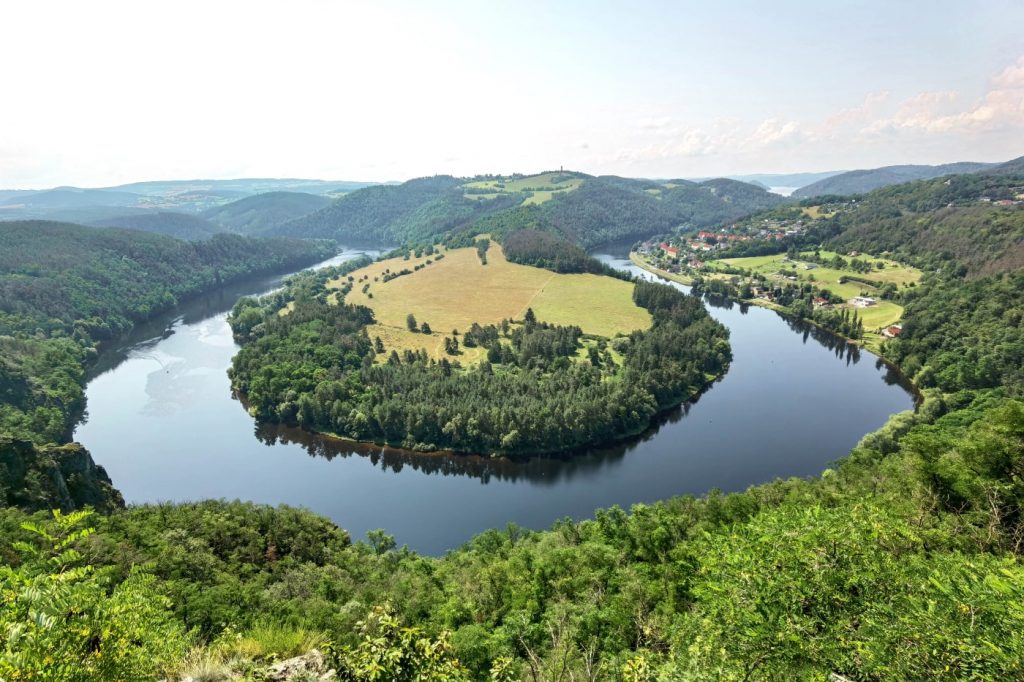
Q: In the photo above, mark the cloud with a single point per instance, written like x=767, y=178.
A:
x=864, y=111
x=773, y=131
x=1000, y=108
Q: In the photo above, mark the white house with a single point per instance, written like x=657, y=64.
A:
x=862, y=301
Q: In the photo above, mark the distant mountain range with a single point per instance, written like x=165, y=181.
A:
x=587, y=210
x=87, y=205
x=861, y=181
x=768, y=180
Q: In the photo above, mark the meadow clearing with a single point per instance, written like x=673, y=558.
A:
x=543, y=186
x=458, y=290
x=875, y=317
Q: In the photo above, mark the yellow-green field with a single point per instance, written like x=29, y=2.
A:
x=816, y=212
x=877, y=316
x=543, y=186
x=458, y=290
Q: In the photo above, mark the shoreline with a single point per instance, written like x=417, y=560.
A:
x=566, y=453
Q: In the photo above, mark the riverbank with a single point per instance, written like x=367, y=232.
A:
x=161, y=410
x=872, y=343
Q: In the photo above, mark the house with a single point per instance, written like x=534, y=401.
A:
x=862, y=301
x=669, y=249
x=1004, y=202
x=893, y=331
x=809, y=266
x=820, y=301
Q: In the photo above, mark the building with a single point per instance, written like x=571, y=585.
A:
x=893, y=331
x=862, y=301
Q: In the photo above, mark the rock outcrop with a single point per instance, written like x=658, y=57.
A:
x=63, y=477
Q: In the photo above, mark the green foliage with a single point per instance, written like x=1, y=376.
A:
x=548, y=251
x=65, y=288
x=964, y=335
x=313, y=367
x=601, y=209
x=58, y=621
x=389, y=652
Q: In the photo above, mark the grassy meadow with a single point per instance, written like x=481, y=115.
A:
x=543, y=186
x=458, y=290
x=877, y=316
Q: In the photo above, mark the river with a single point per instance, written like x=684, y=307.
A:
x=164, y=424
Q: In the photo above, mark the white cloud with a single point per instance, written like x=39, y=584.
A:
x=1001, y=108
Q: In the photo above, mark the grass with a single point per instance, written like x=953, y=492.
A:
x=543, y=186
x=458, y=290
x=875, y=317
x=816, y=212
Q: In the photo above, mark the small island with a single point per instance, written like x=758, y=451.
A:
x=452, y=346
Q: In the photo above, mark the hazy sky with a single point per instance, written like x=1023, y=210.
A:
x=97, y=93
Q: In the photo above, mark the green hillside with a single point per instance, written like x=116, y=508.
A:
x=862, y=181
x=177, y=225
x=584, y=209
x=63, y=290
x=259, y=213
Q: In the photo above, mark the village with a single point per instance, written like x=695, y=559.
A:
x=819, y=285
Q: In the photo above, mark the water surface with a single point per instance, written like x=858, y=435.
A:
x=163, y=422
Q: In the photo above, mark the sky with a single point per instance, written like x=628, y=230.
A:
x=100, y=93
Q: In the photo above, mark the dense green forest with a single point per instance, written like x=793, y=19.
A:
x=177, y=225
x=315, y=367
x=900, y=562
x=259, y=213
x=551, y=252
x=63, y=290
x=602, y=209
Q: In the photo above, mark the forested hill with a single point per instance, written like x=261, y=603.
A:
x=974, y=219
x=860, y=181
x=256, y=214
x=63, y=289
x=177, y=225
x=583, y=209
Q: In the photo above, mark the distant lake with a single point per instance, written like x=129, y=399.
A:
x=784, y=191
x=164, y=423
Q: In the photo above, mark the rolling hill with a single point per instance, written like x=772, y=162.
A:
x=585, y=209
x=177, y=225
x=262, y=212
x=861, y=181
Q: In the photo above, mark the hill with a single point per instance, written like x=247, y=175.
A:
x=974, y=220
x=262, y=212
x=1012, y=167
x=861, y=181
x=584, y=209
x=177, y=225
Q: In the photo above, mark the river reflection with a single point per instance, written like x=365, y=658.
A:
x=164, y=423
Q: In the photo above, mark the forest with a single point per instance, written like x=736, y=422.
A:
x=902, y=561
x=65, y=289
x=315, y=367
x=602, y=209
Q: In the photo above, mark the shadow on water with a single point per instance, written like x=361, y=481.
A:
x=544, y=470
x=166, y=426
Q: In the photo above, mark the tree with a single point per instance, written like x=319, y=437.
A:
x=378, y=345
x=530, y=317
x=425, y=328
x=410, y=322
